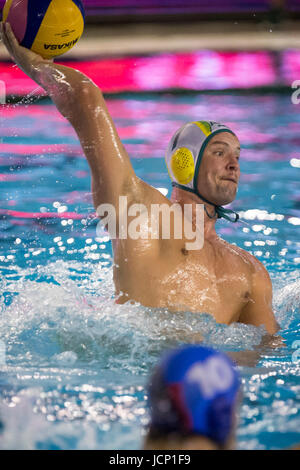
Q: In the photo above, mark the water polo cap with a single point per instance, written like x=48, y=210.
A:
x=193, y=390
x=184, y=156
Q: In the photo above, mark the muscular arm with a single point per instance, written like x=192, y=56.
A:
x=80, y=101
x=112, y=172
x=258, y=310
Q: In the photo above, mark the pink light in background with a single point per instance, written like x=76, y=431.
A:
x=196, y=70
x=31, y=149
x=45, y=215
x=291, y=66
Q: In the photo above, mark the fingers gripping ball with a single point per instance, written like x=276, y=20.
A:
x=182, y=164
x=47, y=27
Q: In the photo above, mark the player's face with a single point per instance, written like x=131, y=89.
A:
x=220, y=170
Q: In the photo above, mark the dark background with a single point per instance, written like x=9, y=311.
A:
x=103, y=11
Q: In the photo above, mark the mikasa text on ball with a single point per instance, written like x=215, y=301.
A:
x=48, y=27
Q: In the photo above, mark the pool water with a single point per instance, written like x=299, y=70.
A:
x=74, y=365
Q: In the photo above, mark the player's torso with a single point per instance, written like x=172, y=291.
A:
x=215, y=279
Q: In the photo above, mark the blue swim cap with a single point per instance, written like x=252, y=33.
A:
x=193, y=391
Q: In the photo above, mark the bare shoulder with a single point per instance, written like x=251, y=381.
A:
x=255, y=266
x=259, y=271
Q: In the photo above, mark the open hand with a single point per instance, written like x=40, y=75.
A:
x=27, y=60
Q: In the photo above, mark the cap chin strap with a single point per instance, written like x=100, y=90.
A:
x=219, y=210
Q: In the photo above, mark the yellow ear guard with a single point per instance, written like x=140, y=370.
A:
x=182, y=165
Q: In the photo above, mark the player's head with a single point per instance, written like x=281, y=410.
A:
x=193, y=392
x=203, y=158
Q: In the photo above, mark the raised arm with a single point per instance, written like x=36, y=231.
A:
x=80, y=101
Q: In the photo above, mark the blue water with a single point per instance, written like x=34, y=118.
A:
x=75, y=364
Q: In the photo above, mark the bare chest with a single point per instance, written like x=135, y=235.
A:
x=215, y=281
x=216, y=287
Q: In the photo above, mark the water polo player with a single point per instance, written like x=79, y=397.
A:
x=203, y=163
x=193, y=396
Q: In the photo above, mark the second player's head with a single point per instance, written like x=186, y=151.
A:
x=193, y=394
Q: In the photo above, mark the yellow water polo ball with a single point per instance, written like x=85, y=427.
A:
x=48, y=27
